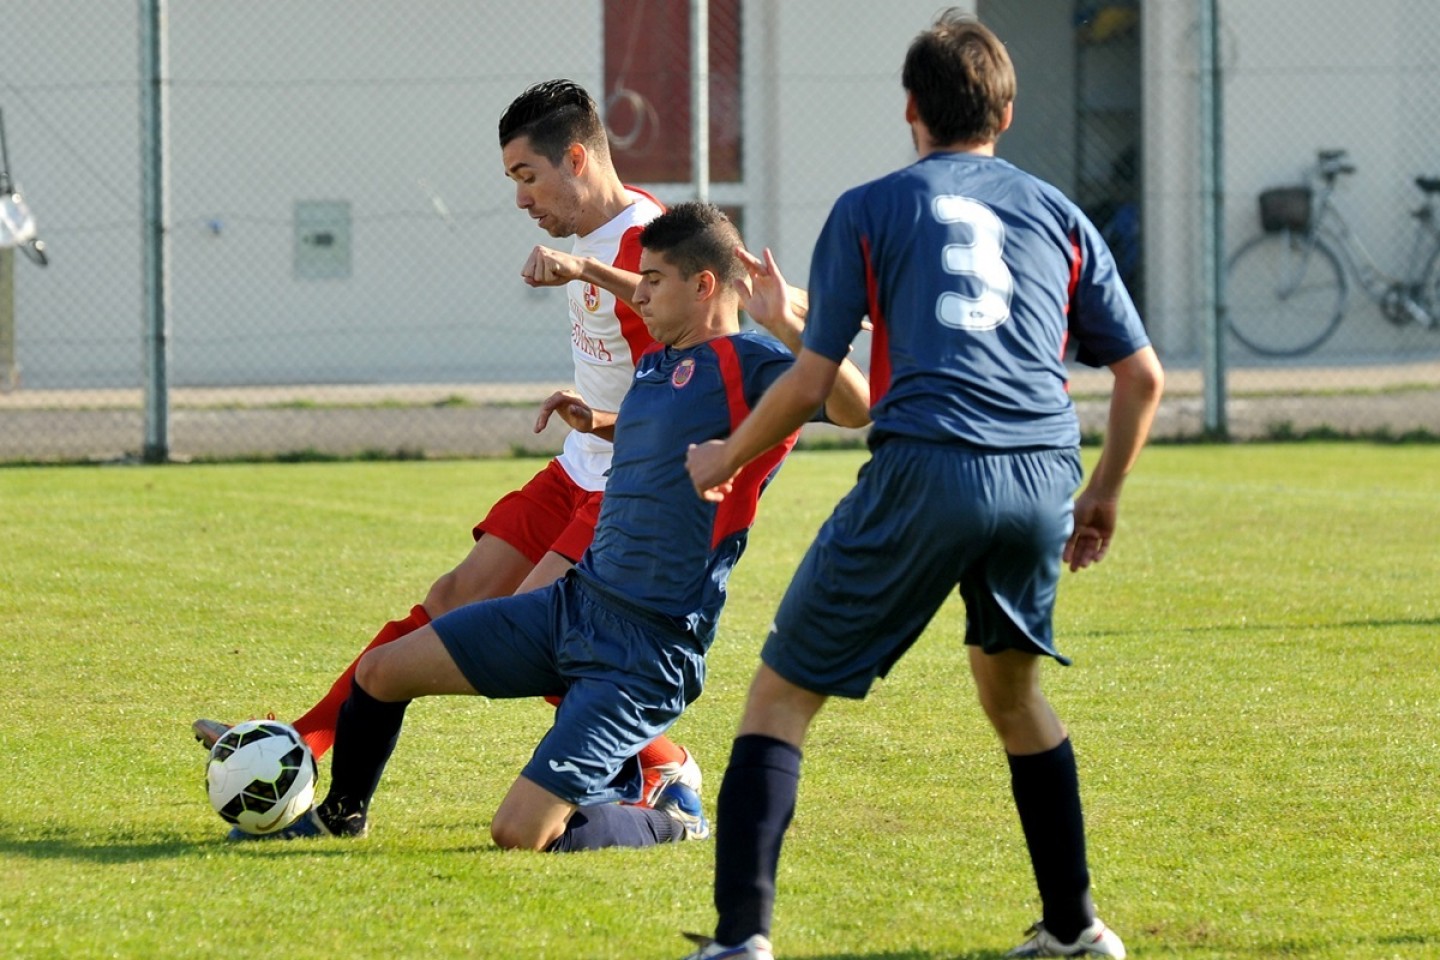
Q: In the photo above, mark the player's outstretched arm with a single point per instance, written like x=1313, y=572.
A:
x=1139, y=382
x=546, y=267
x=577, y=413
x=782, y=309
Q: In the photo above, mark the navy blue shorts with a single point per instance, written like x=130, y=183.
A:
x=624, y=676
x=922, y=518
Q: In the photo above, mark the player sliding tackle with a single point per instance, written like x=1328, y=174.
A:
x=623, y=636
x=554, y=150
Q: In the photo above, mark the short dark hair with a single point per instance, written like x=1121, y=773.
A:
x=962, y=79
x=555, y=114
x=696, y=236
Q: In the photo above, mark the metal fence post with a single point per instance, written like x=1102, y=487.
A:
x=700, y=96
x=154, y=192
x=9, y=369
x=1212, y=216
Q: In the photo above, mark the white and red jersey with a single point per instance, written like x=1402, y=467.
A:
x=606, y=336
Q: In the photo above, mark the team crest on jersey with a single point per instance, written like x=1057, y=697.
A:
x=683, y=373
x=592, y=297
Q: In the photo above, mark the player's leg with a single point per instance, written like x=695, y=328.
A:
x=1008, y=685
x=1009, y=602
x=317, y=725
x=532, y=818
x=492, y=568
x=865, y=590
x=499, y=648
x=757, y=802
x=1046, y=786
x=509, y=542
x=551, y=567
x=662, y=761
x=588, y=757
x=369, y=721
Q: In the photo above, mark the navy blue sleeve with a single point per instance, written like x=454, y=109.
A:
x=1104, y=323
x=839, y=293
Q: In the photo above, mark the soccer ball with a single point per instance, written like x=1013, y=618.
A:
x=261, y=776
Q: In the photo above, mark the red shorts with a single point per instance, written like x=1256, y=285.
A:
x=549, y=513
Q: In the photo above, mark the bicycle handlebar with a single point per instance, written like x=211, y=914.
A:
x=1331, y=163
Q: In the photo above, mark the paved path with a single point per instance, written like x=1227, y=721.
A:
x=464, y=420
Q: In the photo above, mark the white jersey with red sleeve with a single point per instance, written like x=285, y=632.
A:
x=606, y=336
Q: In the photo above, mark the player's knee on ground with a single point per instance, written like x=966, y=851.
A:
x=513, y=835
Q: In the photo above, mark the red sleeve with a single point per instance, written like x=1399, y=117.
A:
x=737, y=510
x=632, y=328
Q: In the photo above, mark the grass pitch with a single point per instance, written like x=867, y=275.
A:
x=1254, y=705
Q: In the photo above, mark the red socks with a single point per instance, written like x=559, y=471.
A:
x=317, y=727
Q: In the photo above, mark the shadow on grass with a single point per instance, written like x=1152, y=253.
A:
x=1361, y=946
x=1172, y=943
x=58, y=843
x=906, y=955
x=1262, y=627
x=63, y=843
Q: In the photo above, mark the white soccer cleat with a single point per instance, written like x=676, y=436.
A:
x=660, y=776
x=755, y=948
x=683, y=806
x=1096, y=940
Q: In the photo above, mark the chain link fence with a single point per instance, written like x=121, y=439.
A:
x=342, y=249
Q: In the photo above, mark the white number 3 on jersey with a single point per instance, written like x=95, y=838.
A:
x=985, y=304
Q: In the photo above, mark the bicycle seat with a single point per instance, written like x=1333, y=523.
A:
x=1428, y=184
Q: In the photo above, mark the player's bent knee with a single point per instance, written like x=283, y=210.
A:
x=443, y=595
x=374, y=677
x=509, y=835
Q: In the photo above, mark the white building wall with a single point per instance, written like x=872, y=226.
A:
x=395, y=112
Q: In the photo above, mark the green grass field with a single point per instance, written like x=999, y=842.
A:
x=1255, y=703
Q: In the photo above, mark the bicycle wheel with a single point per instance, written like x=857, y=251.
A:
x=1285, y=293
x=1430, y=291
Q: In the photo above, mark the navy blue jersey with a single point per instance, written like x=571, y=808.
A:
x=658, y=547
x=973, y=273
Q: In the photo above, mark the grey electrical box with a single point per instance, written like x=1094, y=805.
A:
x=322, y=239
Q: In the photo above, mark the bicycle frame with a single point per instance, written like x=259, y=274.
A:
x=1330, y=223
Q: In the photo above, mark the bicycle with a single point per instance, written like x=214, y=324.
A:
x=1287, y=289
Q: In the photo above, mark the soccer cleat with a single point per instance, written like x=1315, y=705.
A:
x=755, y=948
x=1096, y=940
x=660, y=776
x=308, y=826
x=683, y=805
x=208, y=731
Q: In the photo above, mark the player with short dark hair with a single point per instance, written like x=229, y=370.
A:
x=554, y=148
x=552, y=115
x=622, y=637
x=974, y=275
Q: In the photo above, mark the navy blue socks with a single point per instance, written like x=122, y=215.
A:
x=615, y=825
x=366, y=732
x=755, y=806
x=1047, y=797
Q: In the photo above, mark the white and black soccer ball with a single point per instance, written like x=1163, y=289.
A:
x=261, y=776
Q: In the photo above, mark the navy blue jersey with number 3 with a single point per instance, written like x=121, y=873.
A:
x=974, y=274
